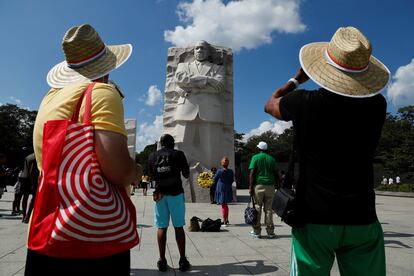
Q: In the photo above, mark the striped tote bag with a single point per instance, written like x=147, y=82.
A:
x=77, y=213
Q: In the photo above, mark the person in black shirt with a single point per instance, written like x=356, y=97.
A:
x=337, y=129
x=31, y=175
x=4, y=173
x=165, y=167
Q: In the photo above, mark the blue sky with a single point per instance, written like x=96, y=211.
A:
x=265, y=34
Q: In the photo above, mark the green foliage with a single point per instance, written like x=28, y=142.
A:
x=238, y=141
x=142, y=157
x=279, y=145
x=407, y=188
x=16, y=128
x=396, y=147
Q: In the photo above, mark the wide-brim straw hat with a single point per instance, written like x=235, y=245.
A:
x=345, y=65
x=86, y=57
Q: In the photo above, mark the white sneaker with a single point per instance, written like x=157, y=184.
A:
x=253, y=234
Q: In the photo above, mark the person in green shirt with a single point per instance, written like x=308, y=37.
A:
x=263, y=176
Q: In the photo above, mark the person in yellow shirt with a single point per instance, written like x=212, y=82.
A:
x=144, y=183
x=88, y=59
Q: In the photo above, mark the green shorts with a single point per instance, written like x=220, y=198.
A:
x=359, y=250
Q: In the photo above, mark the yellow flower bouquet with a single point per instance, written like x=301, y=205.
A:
x=205, y=180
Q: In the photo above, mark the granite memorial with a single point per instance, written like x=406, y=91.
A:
x=198, y=109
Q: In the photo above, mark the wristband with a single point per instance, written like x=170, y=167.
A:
x=295, y=81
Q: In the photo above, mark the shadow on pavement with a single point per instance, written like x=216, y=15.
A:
x=10, y=217
x=143, y=226
x=391, y=234
x=249, y=267
x=243, y=198
x=398, y=244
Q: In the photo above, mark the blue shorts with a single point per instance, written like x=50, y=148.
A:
x=170, y=205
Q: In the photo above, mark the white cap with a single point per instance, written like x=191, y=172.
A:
x=262, y=145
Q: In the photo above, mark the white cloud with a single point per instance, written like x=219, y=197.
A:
x=237, y=24
x=148, y=133
x=154, y=96
x=16, y=100
x=401, y=90
x=277, y=127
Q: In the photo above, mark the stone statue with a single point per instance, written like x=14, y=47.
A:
x=198, y=110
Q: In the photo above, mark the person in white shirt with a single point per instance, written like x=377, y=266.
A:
x=390, y=181
x=397, y=180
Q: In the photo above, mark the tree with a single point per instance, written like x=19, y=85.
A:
x=16, y=128
x=279, y=145
x=142, y=157
x=238, y=141
x=396, y=146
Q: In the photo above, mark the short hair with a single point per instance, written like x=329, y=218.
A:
x=167, y=141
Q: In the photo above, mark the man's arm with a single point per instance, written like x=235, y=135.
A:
x=272, y=105
x=251, y=182
x=182, y=76
x=185, y=169
x=185, y=79
x=113, y=157
x=217, y=81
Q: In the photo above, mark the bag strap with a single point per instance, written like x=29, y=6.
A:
x=252, y=201
x=291, y=166
x=88, y=104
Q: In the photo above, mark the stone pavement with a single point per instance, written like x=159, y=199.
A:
x=229, y=252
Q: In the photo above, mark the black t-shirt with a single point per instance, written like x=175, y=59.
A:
x=165, y=167
x=336, y=139
x=3, y=177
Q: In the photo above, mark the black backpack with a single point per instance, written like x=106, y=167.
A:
x=209, y=225
x=165, y=171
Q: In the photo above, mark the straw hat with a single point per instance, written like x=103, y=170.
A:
x=86, y=57
x=345, y=65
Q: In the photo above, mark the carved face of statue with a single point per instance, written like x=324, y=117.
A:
x=201, y=51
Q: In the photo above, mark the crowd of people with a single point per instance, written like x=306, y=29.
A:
x=24, y=181
x=334, y=126
x=390, y=180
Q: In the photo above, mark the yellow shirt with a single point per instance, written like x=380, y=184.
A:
x=145, y=178
x=107, y=111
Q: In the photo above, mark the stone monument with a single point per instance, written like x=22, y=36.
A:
x=198, y=109
x=131, y=128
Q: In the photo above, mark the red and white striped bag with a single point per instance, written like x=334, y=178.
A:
x=77, y=213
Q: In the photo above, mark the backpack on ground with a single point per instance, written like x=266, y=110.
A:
x=209, y=225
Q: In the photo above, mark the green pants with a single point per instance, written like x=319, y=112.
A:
x=359, y=250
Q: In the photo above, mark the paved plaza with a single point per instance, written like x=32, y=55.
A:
x=229, y=252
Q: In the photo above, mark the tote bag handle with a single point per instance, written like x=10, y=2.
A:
x=88, y=105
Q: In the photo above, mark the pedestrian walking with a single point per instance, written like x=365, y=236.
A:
x=397, y=180
x=145, y=180
x=17, y=195
x=30, y=177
